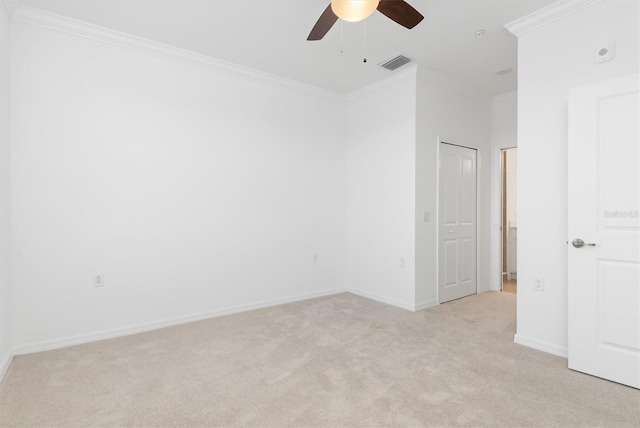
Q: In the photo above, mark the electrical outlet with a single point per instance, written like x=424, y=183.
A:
x=426, y=217
x=98, y=280
x=402, y=262
x=538, y=283
x=315, y=258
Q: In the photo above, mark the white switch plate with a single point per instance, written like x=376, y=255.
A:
x=426, y=217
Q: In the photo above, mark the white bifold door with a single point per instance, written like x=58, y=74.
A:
x=457, y=223
x=604, y=230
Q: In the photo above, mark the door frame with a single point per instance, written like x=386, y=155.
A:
x=443, y=140
x=502, y=151
x=495, y=215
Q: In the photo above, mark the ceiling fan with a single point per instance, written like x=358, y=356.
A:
x=356, y=10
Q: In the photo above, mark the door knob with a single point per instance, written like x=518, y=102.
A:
x=579, y=243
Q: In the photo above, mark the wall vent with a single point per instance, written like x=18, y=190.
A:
x=396, y=62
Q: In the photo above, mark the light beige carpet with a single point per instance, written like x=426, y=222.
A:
x=336, y=361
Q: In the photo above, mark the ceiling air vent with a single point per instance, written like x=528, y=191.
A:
x=396, y=62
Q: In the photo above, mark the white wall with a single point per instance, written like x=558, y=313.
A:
x=504, y=123
x=456, y=115
x=190, y=190
x=196, y=192
x=381, y=191
x=5, y=302
x=551, y=60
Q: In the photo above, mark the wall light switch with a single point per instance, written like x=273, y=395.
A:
x=426, y=217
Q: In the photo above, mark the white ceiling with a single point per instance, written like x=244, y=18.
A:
x=270, y=36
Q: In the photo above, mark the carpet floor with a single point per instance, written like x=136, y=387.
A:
x=337, y=361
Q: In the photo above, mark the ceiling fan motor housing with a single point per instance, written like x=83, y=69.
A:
x=354, y=10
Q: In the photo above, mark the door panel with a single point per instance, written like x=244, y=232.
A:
x=457, y=223
x=619, y=298
x=468, y=189
x=450, y=183
x=467, y=260
x=604, y=196
x=450, y=264
x=618, y=161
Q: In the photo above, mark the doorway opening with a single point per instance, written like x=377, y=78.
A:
x=509, y=225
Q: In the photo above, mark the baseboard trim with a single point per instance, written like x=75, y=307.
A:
x=426, y=305
x=64, y=342
x=381, y=299
x=6, y=362
x=540, y=345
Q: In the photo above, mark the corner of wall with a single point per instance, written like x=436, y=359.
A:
x=6, y=351
x=258, y=165
x=397, y=78
x=381, y=190
x=507, y=96
x=550, y=348
x=10, y=6
x=5, y=364
x=427, y=75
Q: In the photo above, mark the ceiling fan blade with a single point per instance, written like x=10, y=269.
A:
x=401, y=12
x=324, y=24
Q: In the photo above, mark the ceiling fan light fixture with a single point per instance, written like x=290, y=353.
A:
x=354, y=10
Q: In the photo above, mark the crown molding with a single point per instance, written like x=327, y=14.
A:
x=11, y=6
x=51, y=21
x=513, y=95
x=547, y=15
x=439, y=79
x=384, y=84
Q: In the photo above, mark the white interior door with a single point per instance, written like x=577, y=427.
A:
x=457, y=223
x=604, y=196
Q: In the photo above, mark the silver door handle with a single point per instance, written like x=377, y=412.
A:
x=579, y=243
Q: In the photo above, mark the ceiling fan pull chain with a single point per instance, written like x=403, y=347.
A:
x=341, y=36
x=365, y=40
